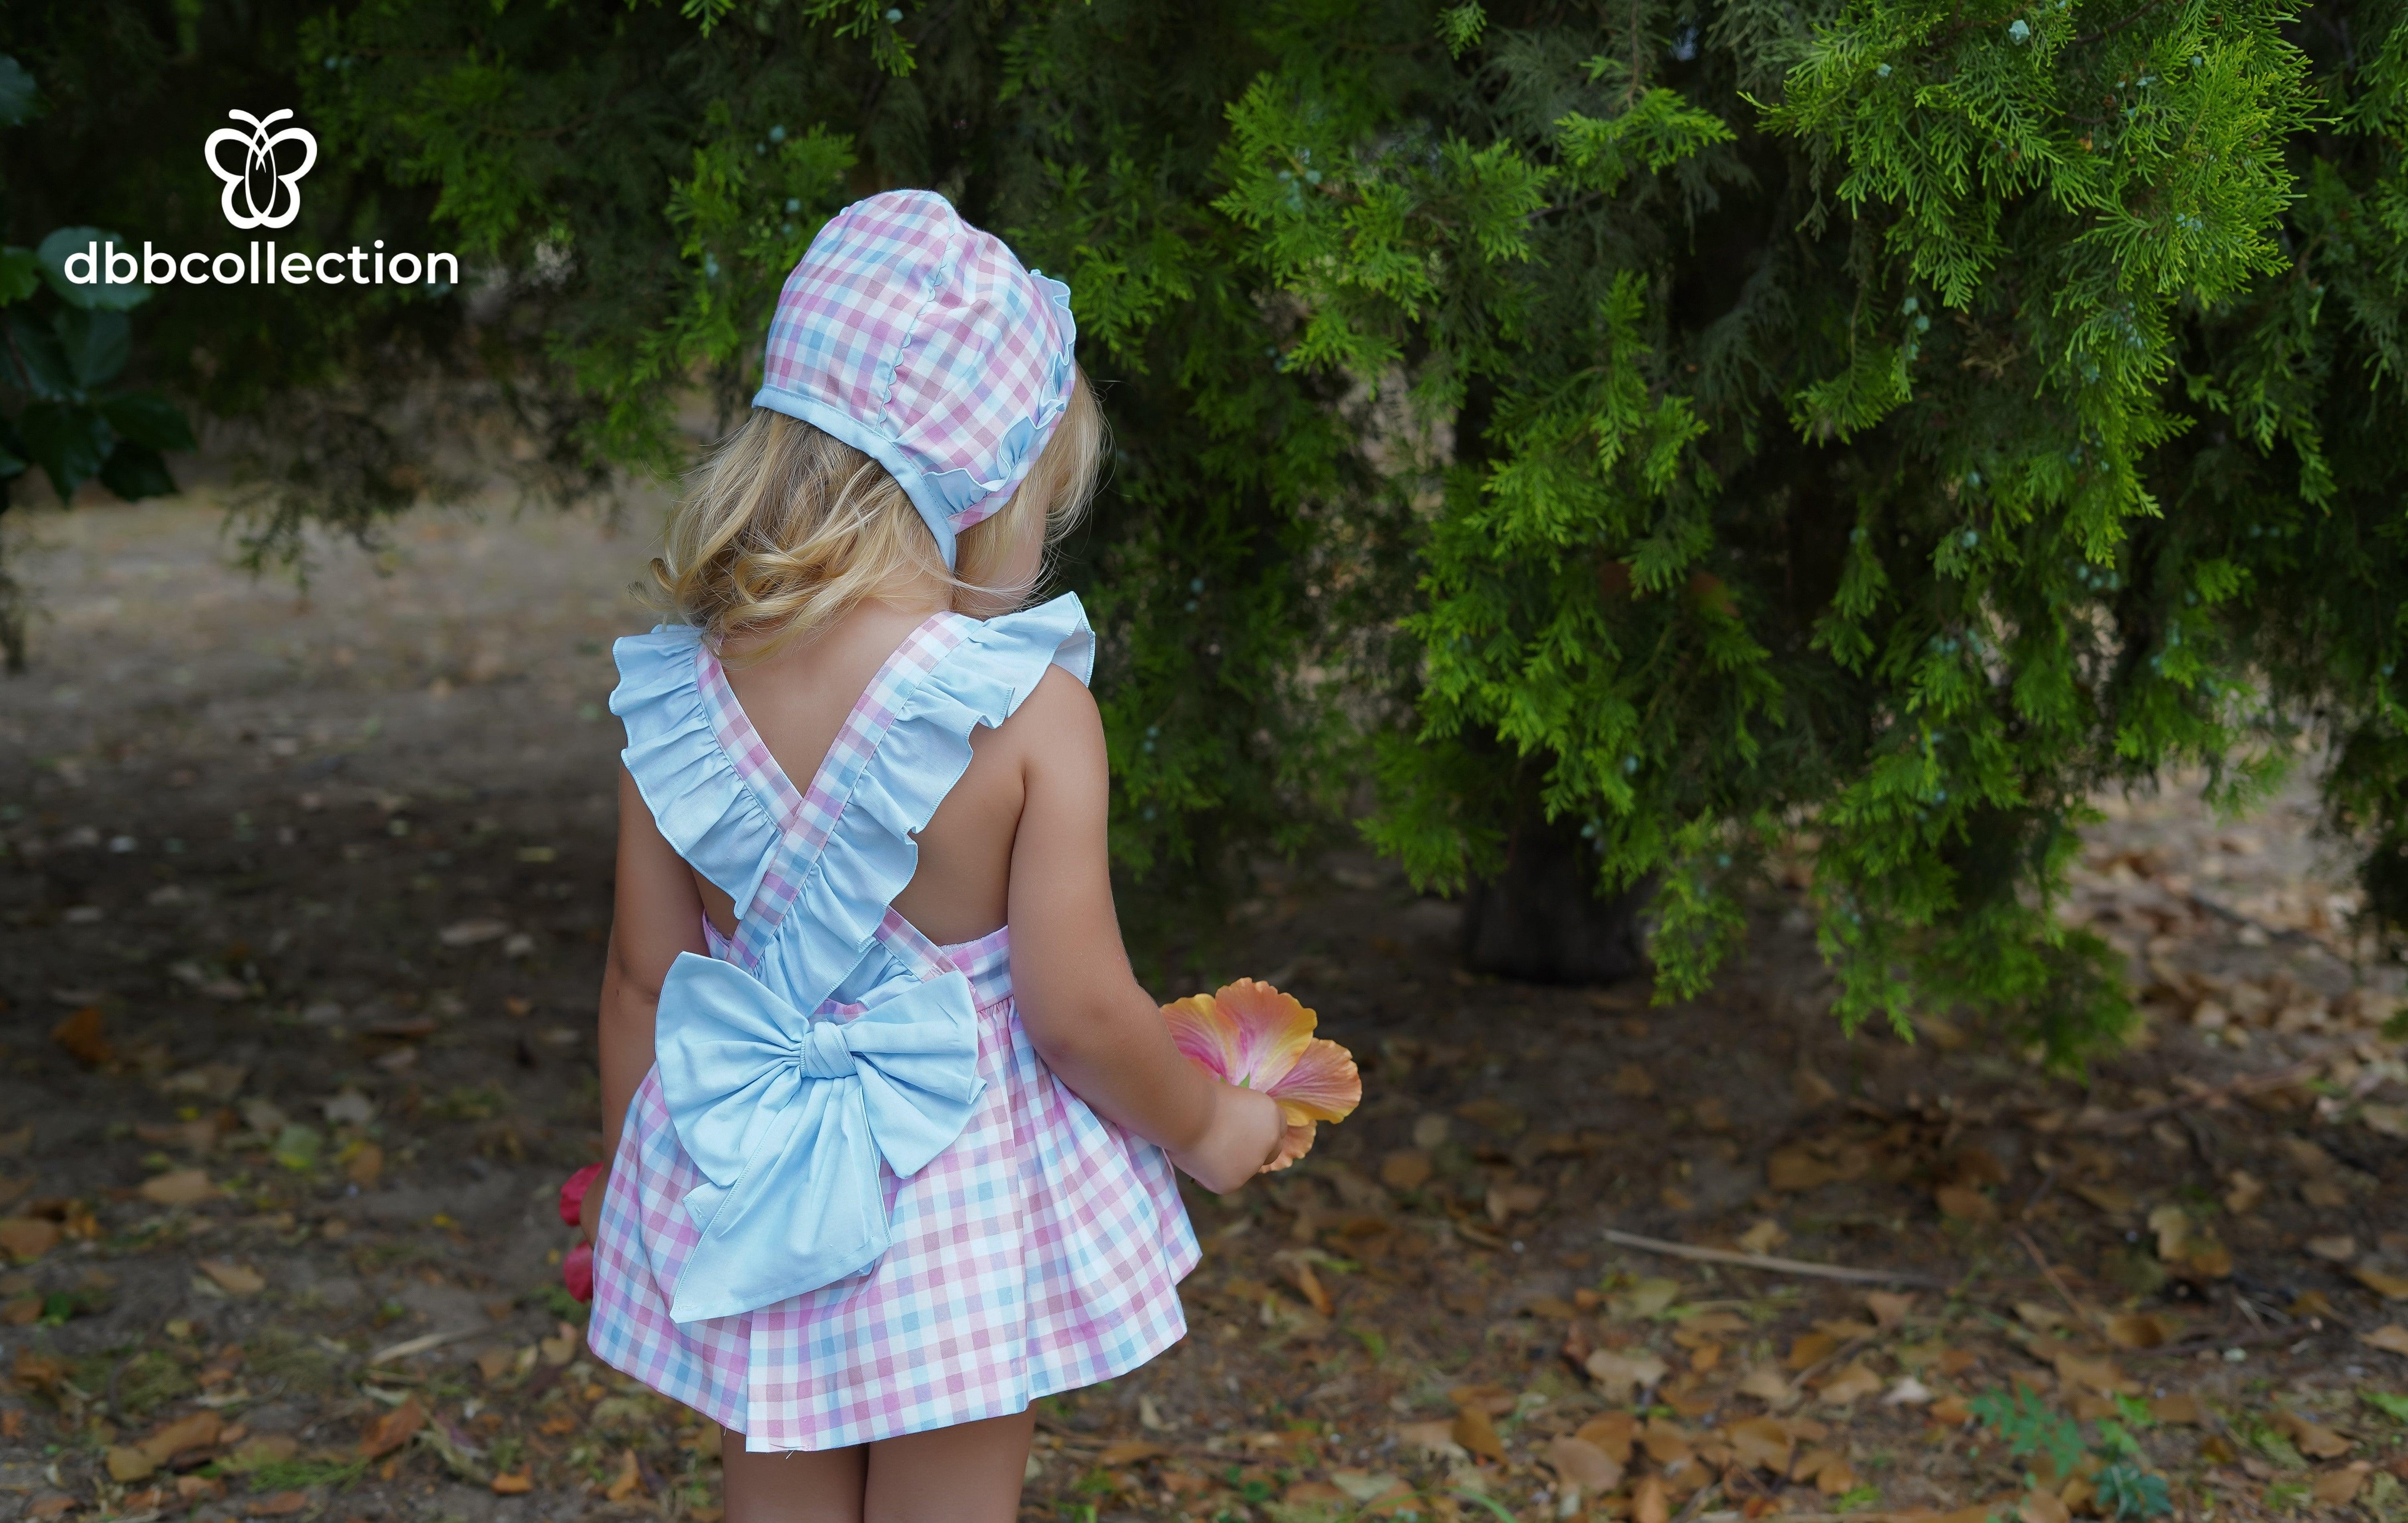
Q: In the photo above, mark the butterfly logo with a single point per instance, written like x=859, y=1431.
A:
x=270, y=194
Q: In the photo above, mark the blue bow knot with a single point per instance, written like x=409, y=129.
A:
x=786, y=1119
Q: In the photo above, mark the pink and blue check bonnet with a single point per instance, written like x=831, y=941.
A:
x=921, y=341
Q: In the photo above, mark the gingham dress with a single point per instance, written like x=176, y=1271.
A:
x=1039, y=1251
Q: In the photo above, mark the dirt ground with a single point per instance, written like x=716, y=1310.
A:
x=301, y=909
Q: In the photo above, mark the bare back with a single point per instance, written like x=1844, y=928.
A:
x=798, y=699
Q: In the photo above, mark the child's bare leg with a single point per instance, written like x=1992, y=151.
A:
x=966, y=1473
x=821, y=1486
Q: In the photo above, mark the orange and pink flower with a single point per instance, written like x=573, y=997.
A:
x=1254, y=1036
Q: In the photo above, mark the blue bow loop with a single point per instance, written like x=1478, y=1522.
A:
x=786, y=1118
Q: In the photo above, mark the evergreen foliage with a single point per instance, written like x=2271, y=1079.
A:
x=1859, y=428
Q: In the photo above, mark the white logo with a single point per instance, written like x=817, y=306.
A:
x=271, y=194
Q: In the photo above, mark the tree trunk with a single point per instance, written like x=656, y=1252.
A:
x=1541, y=920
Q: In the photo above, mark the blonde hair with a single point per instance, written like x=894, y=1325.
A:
x=787, y=530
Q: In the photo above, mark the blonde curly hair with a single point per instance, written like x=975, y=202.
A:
x=786, y=529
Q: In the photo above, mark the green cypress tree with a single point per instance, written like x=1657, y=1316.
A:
x=1668, y=434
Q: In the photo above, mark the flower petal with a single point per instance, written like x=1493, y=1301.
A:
x=1294, y=1145
x=1323, y=1085
x=1271, y=1030
x=1204, y=1035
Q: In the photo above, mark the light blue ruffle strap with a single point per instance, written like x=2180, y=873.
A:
x=786, y=1118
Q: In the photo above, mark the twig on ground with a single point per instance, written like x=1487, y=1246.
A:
x=2040, y=1193
x=420, y=1345
x=2055, y=1284
x=2115, y=1121
x=1768, y=1262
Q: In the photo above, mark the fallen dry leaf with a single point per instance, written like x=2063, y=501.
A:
x=2179, y=1409
x=178, y=1187
x=2039, y=1506
x=629, y=1480
x=1477, y=1432
x=2339, y=1488
x=561, y=1347
x=2098, y=1374
x=232, y=1278
x=1763, y=1442
x=1793, y=1171
x=1407, y=1169
x=2107, y=1198
x=283, y=1504
x=1908, y=1392
x=1132, y=1452
x=2247, y=1191
x=198, y=1430
x=2315, y=1439
x=1298, y=1272
x=2139, y=1329
x=80, y=1035
x=364, y=1165
x=2392, y=1338
x=1496, y=1400
x=1848, y=1384
x=1665, y=1444
x=1493, y=1113
x=513, y=1484
x=1965, y=1204
x=1620, y=1375
x=2390, y=1286
x=472, y=933
x=1583, y=1464
x=1649, y=1501
x=1809, y=1349
x=1434, y=1439
x=391, y=1429
x=128, y=1464
x=1767, y=1384
x=1763, y=1237
x=2172, y=1227
x=2334, y=1248
x=1889, y=1308
x=1613, y=1435
x=1506, y=1201
x=25, y=1238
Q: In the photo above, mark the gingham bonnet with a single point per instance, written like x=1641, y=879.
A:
x=923, y=343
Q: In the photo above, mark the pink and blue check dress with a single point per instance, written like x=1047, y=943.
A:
x=849, y=1202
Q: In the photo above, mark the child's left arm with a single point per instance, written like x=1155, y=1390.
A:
x=657, y=915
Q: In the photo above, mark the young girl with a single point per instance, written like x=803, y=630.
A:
x=894, y=1123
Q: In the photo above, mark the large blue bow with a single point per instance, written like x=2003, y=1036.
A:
x=786, y=1118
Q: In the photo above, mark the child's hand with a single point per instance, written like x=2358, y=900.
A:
x=1247, y=1134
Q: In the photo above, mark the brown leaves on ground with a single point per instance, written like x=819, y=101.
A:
x=629, y=1480
x=391, y=1429
x=232, y=1278
x=2391, y=1337
x=81, y=1037
x=1582, y=1463
x=25, y=1238
x=2390, y=1286
x=1476, y=1432
x=129, y=1462
x=2313, y=1439
x=178, y=1187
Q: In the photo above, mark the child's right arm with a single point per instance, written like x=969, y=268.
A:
x=1080, y=1005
